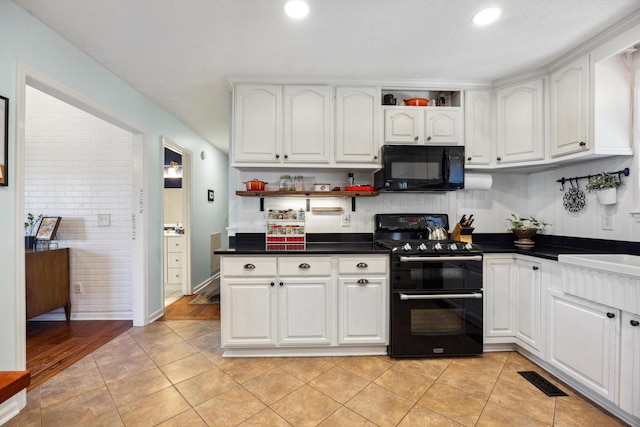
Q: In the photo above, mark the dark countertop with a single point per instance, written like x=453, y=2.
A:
x=325, y=248
x=547, y=247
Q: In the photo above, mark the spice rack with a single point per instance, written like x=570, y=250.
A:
x=285, y=229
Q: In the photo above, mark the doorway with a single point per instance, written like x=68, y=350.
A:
x=177, y=222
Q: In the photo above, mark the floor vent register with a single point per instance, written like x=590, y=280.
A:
x=542, y=384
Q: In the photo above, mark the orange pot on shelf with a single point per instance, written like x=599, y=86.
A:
x=255, y=185
x=416, y=102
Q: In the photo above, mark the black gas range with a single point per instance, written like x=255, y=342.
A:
x=436, y=287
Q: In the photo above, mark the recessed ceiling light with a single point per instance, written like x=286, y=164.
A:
x=486, y=16
x=296, y=9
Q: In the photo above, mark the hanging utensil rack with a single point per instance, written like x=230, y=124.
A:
x=562, y=180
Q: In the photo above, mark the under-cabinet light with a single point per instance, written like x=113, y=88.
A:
x=486, y=16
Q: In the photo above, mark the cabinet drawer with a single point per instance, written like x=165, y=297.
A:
x=174, y=260
x=174, y=275
x=304, y=266
x=174, y=244
x=249, y=267
x=360, y=265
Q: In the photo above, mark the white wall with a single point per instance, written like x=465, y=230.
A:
x=76, y=167
x=490, y=208
x=536, y=194
x=24, y=40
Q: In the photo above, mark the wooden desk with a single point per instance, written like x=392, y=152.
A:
x=47, y=281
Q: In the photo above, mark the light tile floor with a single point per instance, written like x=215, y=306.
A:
x=173, y=374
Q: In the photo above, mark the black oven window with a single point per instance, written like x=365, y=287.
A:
x=437, y=321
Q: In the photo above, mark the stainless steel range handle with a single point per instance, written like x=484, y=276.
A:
x=405, y=297
x=440, y=258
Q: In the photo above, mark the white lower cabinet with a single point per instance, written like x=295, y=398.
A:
x=304, y=309
x=243, y=296
x=499, y=298
x=584, y=342
x=630, y=363
x=304, y=302
x=528, y=307
x=362, y=300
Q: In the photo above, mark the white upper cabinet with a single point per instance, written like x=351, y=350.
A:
x=357, y=124
x=401, y=125
x=477, y=123
x=520, y=123
x=570, y=108
x=423, y=125
x=281, y=124
x=306, y=124
x=257, y=123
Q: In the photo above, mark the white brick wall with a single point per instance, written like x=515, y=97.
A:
x=78, y=166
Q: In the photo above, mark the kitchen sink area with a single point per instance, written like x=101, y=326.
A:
x=614, y=263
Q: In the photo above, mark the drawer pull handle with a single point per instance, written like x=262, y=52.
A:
x=249, y=266
x=611, y=315
x=363, y=282
x=634, y=323
x=362, y=265
x=304, y=265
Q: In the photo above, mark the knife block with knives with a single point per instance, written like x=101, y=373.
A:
x=463, y=230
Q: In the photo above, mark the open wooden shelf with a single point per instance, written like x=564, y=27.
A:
x=308, y=195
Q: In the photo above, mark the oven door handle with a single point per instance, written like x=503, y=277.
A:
x=405, y=297
x=440, y=258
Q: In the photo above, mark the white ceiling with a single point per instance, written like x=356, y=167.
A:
x=179, y=53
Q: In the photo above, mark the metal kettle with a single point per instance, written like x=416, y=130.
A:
x=438, y=233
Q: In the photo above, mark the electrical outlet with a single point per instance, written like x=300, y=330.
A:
x=346, y=220
x=78, y=287
x=607, y=222
x=104, y=219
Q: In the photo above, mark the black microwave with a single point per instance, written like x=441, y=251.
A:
x=420, y=168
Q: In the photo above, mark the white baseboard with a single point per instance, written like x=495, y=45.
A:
x=156, y=315
x=206, y=283
x=12, y=407
x=58, y=315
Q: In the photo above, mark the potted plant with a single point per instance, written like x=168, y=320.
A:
x=605, y=185
x=30, y=227
x=524, y=228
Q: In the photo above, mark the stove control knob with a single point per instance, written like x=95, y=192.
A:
x=453, y=247
x=406, y=247
x=437, y=246
x=468, y=246
x=422, y=247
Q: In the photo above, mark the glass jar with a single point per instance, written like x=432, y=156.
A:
x=285, y=182
x=297, y=183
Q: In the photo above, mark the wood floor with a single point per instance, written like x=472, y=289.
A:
x=54, y=346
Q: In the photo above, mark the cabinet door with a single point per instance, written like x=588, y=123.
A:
x=401, y=125
x=305, y=310
x=306, y=124
x=477, y=132
x=257, y=123
x=584, y=342
x=357, y=124
x=248, y=312
x=362, y=310
x=442, y=125
x=630, y=364
x=528, y=303
x=570, y=108
x=499, y=298
x=520, y=124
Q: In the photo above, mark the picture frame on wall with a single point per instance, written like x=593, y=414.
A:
x=4, y=140
x=48, y=227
